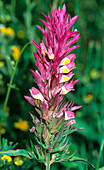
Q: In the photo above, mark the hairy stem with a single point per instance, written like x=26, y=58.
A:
x=48, y=161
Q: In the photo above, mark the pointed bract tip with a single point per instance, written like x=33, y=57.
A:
x=64, y=8
x=25, y=97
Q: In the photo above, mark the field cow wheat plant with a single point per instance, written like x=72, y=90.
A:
x=52, y=85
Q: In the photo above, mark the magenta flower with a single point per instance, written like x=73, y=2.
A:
x=55, y=62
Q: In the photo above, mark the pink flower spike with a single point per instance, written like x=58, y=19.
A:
x=73, y=40
x=69, y=115
x=72, y=48
x=63, y=11
x=32, y=129
x=72, y=20
x=34, y=43
x=67, y=68
x=45, y=23
x=65, y=78
x=30, y=99
x=41, y=29
x=47, y=17
x=67, y=88
x=36, y=94
x=55, y=63
x=67, y=59
x=72, y=122
x=75, y=108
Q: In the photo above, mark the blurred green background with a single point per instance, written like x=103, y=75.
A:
x=17, y=26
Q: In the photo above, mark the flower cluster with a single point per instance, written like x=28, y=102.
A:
x=16, y=52
x=7, y=31
x=22, y=125
x=55, y=66
x=6, y=157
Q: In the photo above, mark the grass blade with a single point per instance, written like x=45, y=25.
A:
x=100, y=154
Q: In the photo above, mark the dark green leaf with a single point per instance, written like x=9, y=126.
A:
x=18, y=152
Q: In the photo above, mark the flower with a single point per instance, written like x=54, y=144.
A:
x=55, y=62
x=20, y=34
x=2, y=130
x=18, y=161
x=22, y=125
x=2, y=63
x=88, y=98
x=6, y=157
x=94, y=74
x=16, y=52
x=7, y=31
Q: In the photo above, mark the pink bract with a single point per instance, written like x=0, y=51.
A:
x=55, y=63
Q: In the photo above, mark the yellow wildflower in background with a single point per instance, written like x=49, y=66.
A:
x=18, y=161
x=78, y=114
x=88, y=98
x=22, y=125
x=1, y=63
x=7, y=31
x=86, y=79
x=10, y=31
x=94, y=74
x=20, y=34
x=16, y=52
x=6, y=157
x=2, y=130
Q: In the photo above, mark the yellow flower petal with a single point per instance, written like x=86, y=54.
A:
x=43, y=52
x=22, y=125
x=18, y=161
x=87, y=99
x=64, y=69
x=16, y=52
x=94, y=74
x=64, y=79
x=3, y=29
x=51, y=56
x=65, y=61
x=64, y=91
x=1, y=63
x=7, y=31
x=6, y=157
x=2, y=131
x=20, y=34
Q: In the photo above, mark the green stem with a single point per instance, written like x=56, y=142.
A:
x=84, y=161
x=10, y=86
x=100, y=154
x=48, y=161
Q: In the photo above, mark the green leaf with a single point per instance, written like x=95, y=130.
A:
x=100, y=154
x=69, y=131
x=7, y=145
x=77, y=159
x=67, y=164
x=37, y=152
x=40, y=143
x=32, y=146
x=102, y=168
x=66, y=156
x=18, y=152
x=32, y=155
x=4, y=143
x=61, y=146
x=13, y=86
x=57, y=138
